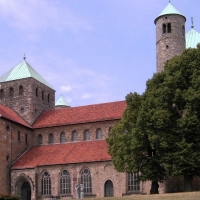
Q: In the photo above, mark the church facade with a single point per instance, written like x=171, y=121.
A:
x=50, y=149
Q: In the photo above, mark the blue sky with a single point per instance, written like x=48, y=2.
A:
x=90, y=51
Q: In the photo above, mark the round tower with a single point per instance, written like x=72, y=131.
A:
x=170, y=35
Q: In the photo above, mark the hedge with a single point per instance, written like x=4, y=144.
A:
x=10, y=197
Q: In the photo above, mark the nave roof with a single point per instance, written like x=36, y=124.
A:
x=81, y=114
x=68, y=153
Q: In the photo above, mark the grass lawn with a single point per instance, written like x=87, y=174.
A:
x=168, y=196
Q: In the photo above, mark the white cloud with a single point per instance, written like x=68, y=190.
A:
x=65, y=88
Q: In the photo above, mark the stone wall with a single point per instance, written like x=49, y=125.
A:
x=100, y=172
x=25, y=102
x=169, y=44
x=68, y=130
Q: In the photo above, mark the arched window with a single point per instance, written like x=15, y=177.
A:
x=21, y=90
x=65, y=183
x=42, y=95
x=86, y=135
x=51, y=138
x=164, y=28
x=86, y=180
x=18, y=136
x=133, y=182
x=46, y=184
x=62, y=137
x=1, y=94
x=39, y=139
x=36, y=92
x=11, y=92
x=48, y=98
x=169, y=27
x=99, y=134
x=74, y=136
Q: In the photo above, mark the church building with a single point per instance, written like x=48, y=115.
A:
x=48, y=149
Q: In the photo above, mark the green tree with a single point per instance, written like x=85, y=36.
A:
x=159, y=133
x=130, y=147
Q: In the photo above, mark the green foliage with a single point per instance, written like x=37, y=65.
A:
x=160, y=129
x=10, y=197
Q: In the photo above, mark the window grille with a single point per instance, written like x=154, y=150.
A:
x=46, y=184
x=62, y=137
x=51, y=138
x=133, y=182
x=86, y=135
x=65, y=183
x=74, y=136
x=86, y=180
x=99, y=134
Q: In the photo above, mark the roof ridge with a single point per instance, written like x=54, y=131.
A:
x=21, y=71
x=169, y=9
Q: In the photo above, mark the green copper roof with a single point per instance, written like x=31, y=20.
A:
x=169, y=9
x=23, y=70
x=61, y=102
x=192, y=39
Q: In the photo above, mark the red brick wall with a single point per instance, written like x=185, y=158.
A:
x=9, y=153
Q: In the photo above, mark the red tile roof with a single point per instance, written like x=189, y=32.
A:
x=77, y=152
x=8, y=113
x=82, y=114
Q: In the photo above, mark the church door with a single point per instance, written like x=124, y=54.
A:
x=26, y=191
x=108, y=188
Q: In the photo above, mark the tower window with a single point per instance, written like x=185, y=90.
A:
x=1, y=93
x=21, y=90
x=42, y=95
x=164, y=28
x=169, y=27
x=167, y=47
x=11, y=92
x=36, y=92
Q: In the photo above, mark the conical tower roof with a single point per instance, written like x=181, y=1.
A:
x=23, y=70
x=192, y=39
x=62, y=102
x=169, y=9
